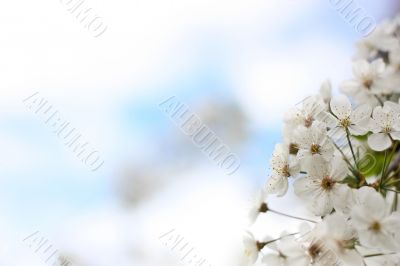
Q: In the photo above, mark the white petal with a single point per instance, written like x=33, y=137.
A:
x=379, y=141
x=330, y=120
x=361, y=112
x=316, y=167
x=303, y=154
x=321, y=204
x=379, y=116
x=294, y=167
x=277, y=185
x=339, y=169
x=305, y=187
x=341, y=106
x=395, y=135
x=358, y=130
x=351, y=257
x=326, y=90
x=350, y=87
x=302, y=136
x=327, y=152
x=372, y=201
x=360, y=218
x=378, y=66
x=361, y=68
x=273, y=260
x=374, y=126
x=392, y=223
x=340, y=197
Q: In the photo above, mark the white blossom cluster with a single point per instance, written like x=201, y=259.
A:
x=341, y=155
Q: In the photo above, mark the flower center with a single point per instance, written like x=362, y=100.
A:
x=345, y=123
x=387, y=129
x=368, y=83
x=327, y=183
x=293, y=148
x=315, y=148
x=308, y=121
x=314, y=250
x=285, y=171
x=263, y=207
x=260, y=245
x=346, y=244
x=376, y=227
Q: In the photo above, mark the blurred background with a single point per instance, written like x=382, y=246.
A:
x=238, y=65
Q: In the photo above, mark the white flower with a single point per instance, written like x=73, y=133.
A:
x=288, y=252
x=382, y=39
x=365, y=76
x=283, y=167
x=377, y=228
x=252, y=247
x=356, y=122
x=307, y=114
x=341, y=238
x=259, y=206
x=313, y=141
x=320, y=188
x=385, y=125
x=282, y=164
x=313, y=240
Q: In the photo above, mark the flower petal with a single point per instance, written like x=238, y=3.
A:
x=358, y=130
x=361, y=68
x=379, y=141
x=361, y=113
x=277, y=185
x=341, y=106
x=395, y=135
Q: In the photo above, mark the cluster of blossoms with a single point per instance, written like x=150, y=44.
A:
x=341, y=155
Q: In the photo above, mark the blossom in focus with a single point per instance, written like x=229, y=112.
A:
x=376, y=226
x=344, y=117
x=351, y=190
x=312, y=142
x=385, y=125
x=308, y=113
x=341, y=238
x=283, y=166
x=320, y=188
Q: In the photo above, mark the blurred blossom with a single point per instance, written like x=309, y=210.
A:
x=137, y=183
x=227, y=119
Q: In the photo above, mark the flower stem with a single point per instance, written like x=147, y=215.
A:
x=393, y=190
x=291, y=216
x=384, y=166
x=394, y=204
x=378, y=254
x=351, y=148
x=274, y=240
x=344, y=156
x=379, y=100
x=391, y=156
